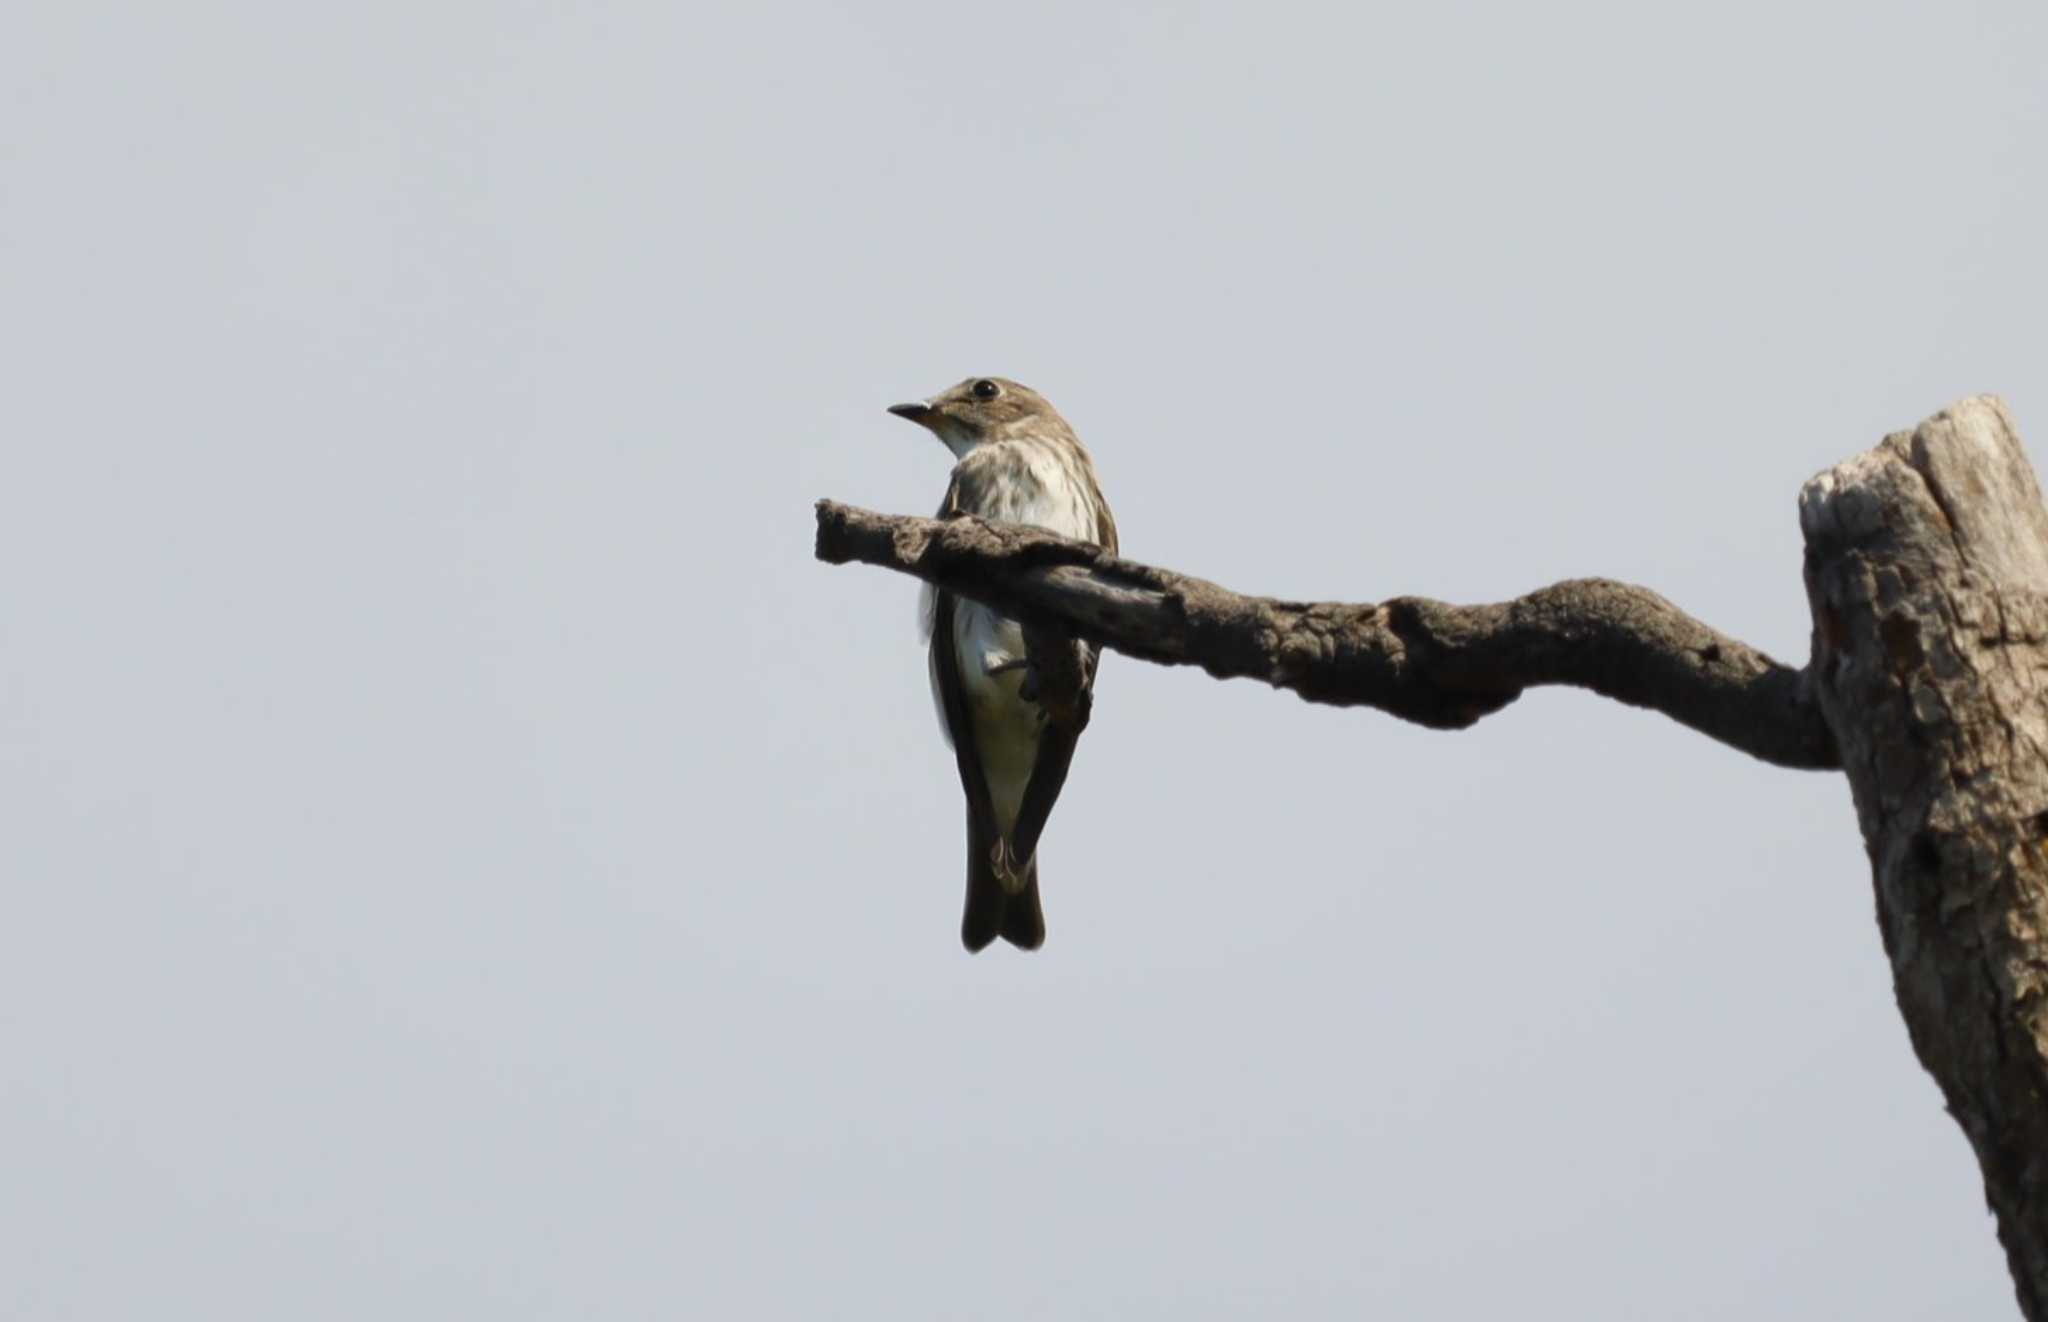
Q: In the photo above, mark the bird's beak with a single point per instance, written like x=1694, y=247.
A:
x=921, y=414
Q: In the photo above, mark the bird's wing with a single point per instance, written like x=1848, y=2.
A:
x=928, y=620
x=952, y=699
x=1048, y=778
x=991, y=910
x=1056, y=742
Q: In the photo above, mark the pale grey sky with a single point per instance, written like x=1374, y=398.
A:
x=463, y=858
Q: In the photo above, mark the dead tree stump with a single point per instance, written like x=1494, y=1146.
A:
x=1927, y=567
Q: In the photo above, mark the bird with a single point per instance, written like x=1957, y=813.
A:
x=1017, y=462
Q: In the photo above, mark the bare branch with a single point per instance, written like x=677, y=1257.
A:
x=1438, y=665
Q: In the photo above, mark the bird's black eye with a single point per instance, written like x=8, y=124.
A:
x=986, y=389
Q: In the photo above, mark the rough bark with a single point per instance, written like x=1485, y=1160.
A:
x=1927, y=561
x=1927, y=572
x=1438, y=665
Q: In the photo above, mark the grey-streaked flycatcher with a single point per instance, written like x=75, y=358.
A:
x=1019, y=462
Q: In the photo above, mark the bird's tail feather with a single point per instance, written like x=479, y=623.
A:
x=992, y=909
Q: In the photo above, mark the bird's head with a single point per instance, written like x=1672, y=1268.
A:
x=979, y=410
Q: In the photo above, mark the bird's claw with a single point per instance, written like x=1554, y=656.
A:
x=1028, y=687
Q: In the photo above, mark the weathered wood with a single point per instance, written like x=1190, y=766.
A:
x=1438, y=665
x=1927, y=565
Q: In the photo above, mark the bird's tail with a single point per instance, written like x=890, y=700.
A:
x=994, y=910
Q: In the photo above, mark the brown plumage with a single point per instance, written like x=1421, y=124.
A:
x=1019, y=462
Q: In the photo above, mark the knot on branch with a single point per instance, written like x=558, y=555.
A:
x=1447, y=695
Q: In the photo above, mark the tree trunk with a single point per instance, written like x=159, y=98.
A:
x=1927, y=564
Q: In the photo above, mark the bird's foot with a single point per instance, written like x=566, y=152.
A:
x=1028, y=687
